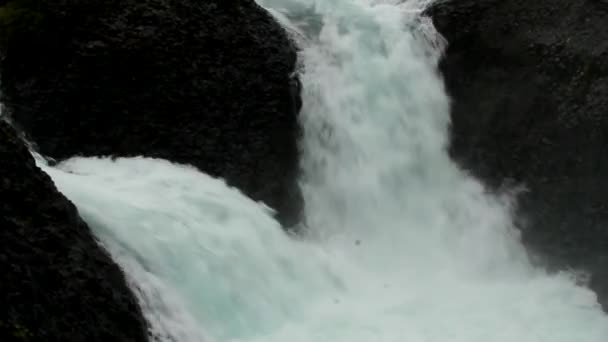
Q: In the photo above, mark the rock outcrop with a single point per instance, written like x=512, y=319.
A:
x=529, y=82
x=57, y=283
x=207, y=83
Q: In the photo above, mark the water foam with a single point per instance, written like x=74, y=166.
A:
x=402, y=245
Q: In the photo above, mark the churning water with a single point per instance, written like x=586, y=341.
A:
x=400, y=244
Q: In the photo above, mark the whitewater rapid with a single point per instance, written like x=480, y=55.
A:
x=400, y=244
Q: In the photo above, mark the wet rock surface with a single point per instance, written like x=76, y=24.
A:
x=529, y=84
x=206, y=83
x=57, y=283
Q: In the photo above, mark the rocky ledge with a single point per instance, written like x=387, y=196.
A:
x=207, y=83
x=529, y=83
x=57, y=283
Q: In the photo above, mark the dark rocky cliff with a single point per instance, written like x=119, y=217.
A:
x=57, y=283
x=207, y=83
x=529, y=82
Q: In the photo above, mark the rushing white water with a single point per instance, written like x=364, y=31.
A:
x=402, y=245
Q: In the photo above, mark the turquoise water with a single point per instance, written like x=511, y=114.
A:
x=401, y=244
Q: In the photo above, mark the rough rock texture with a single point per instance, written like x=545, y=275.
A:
x=206, y=83
x=57, y=283
x=529, y=81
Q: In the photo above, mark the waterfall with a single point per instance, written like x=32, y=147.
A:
x=400, y=244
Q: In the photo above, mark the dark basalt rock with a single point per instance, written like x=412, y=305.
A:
x=529, y=82
x=57, y=283
x=207, y=83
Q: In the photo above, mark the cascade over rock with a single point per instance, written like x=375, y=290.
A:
x=529, y=82
x=206, y=83
x=57, y=283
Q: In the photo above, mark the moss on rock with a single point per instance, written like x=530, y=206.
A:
x=20, y=18
x=15, y=331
